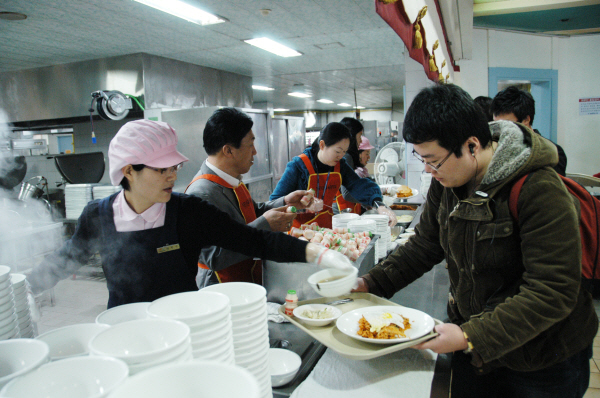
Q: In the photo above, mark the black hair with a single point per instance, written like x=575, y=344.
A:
x=447, y=114
x=355, y=127
x=513, y=100
x=226, y=126
x=485, y=103
x=125, y=181
x=331, y=134
x=359, y=163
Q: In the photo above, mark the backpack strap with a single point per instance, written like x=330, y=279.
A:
x=515, y=191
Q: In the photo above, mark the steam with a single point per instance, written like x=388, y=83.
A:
x=24, y=230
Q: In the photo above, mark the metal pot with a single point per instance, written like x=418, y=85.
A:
x=31, y=191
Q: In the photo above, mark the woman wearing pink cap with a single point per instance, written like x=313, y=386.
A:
x=149, y=237
x=364, y=155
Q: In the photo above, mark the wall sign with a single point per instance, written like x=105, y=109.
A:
x=589, y=106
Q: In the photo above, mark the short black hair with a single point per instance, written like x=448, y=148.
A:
x=125, y=181
x=485, y=103
x=355, y=127
x=447, y=114
x=513, y=100
x=226, y=126
x=331, y=134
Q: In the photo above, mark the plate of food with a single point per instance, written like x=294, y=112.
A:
x=385, y=324
x=398, y=192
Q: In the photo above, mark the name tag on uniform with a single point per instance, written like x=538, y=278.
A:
x=167, y=248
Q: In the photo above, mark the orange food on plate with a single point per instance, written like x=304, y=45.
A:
x=385, y=326
x=404, y=192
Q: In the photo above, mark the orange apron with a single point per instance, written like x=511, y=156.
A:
x=248, y=270
x=326, y=187
x=345, y=204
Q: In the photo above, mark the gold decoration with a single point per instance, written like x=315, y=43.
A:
x=432, y=66
x=447, y=77
x=388, y=1
x=418, y=39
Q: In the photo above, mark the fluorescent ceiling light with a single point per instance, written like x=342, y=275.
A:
x=359, y=107
x=300, y=95
x=273, y=47
x=325, y=101
x=263, y=88
x=344, y=104
x=280, y=110
x=184, y=11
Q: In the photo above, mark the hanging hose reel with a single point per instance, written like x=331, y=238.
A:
x=111, y=105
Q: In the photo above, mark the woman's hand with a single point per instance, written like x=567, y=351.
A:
x=385, y=210
x=450, y=338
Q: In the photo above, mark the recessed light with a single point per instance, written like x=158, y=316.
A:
x=344, y=104
x=300, y=95
x=263, y=88
x=185, y=11
x=12, y=16
x=280, y=110
x=273, y=47
x=325, y=101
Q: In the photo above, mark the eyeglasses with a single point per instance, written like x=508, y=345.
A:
x=168, y=170
x=436, y=167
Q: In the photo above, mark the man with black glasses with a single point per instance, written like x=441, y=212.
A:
x=519, y=324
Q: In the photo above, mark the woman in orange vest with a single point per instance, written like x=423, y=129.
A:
x=323, y=169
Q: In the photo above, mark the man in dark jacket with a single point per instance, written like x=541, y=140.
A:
x=519, y=106
x=515, y=303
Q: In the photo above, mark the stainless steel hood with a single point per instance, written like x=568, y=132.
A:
x=63, y=91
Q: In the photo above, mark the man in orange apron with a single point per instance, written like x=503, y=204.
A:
x=229, y=142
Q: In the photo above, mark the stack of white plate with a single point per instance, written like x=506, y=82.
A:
x=77, y=197
x=341, y=220
x=22, y=305
x=383, y=244
x=9, y=325
x=250, y=329
x=102, y=191
x=208, y=316
x=144, y=343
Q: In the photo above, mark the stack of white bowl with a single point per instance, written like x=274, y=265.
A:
x=383, y=244
x=144, y=343
x=9, y=325
x=123, y=313
x=19, y=357
x=22, y=305
x=71, y=341
x=208, y=316
x=250, y=329
x=74, y=377
x=341, y=220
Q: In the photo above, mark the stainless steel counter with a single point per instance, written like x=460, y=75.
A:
x=428, y=294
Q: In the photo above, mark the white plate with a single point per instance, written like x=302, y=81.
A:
x=421, y=323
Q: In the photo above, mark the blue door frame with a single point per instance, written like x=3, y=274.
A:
x=544, y=89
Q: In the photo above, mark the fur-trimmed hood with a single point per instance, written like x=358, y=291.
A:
x=519, y=151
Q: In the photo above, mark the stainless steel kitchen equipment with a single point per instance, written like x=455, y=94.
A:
x=81, y=168
x=33, y=191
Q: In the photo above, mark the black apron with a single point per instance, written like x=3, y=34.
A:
x=143, y=265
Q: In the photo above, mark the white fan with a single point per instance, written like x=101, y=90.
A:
x=389, y=164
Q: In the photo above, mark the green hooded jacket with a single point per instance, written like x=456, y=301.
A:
x=514, y=286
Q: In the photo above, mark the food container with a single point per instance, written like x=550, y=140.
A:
x=299, y=313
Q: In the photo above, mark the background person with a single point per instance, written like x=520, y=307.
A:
x=485, y=103
x=149, y=237
x=229, y=143
x=323, y=169
x=515, y=303
x=344, y=199
x=364, y=155
x=519, y=106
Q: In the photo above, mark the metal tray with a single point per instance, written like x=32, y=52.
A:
x=331, y=337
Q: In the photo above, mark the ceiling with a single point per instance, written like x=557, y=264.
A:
x=346, y=46
x=348, y=50
x=553, y=17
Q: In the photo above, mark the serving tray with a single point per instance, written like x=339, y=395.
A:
x=331, y=337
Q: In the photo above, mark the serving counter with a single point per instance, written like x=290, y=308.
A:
x=416, y=373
